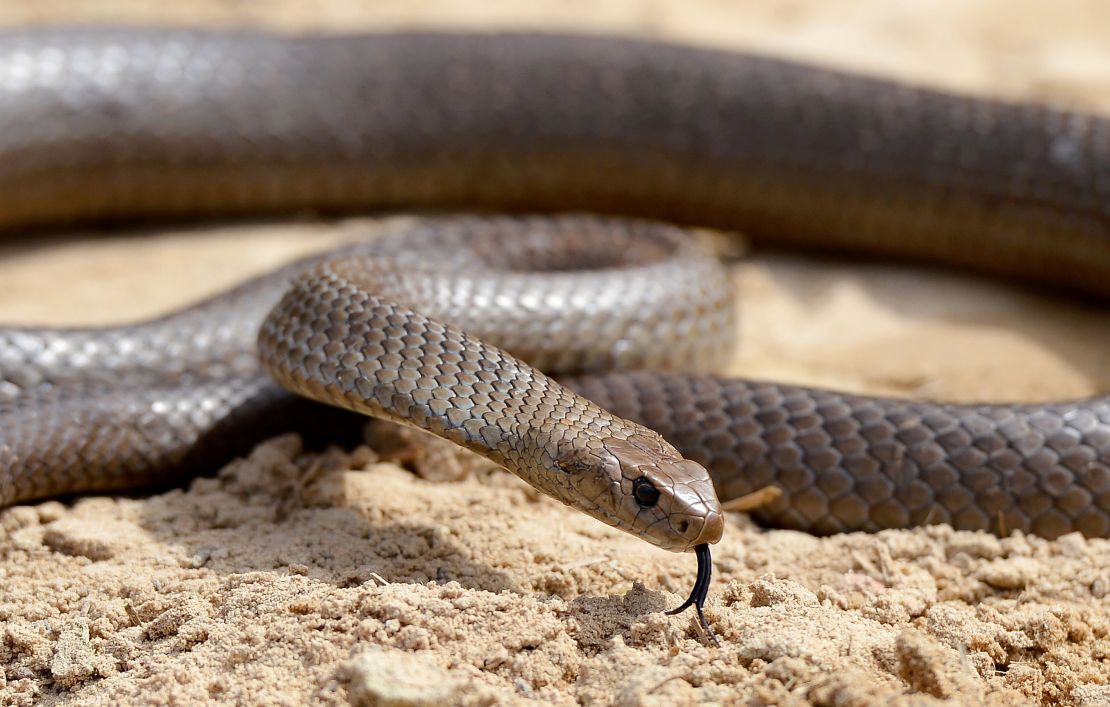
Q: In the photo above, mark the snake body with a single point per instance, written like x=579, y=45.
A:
x=105, y=125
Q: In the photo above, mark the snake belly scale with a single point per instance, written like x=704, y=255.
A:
x=123, y=125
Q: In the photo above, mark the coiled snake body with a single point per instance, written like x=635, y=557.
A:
x=103, y=125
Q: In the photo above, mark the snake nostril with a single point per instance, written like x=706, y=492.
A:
x=683, y=526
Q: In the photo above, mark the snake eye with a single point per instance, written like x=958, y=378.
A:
x=645, y=492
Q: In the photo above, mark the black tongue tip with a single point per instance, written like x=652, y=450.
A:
x=700, y=591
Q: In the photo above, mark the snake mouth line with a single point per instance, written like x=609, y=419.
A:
x=700, y=591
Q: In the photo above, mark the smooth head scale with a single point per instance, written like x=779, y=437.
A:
x=641, y=484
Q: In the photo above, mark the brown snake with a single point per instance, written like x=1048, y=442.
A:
x=103, y=126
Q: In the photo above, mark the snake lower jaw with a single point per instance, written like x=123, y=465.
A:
x=710, y=533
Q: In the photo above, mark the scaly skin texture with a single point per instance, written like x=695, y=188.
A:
x=847, y=462
x=351, y=332
x=123, y=125
x=104, y=409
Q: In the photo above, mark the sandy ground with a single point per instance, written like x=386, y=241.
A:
x=289, y=578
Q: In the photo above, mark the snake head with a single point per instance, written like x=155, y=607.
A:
x=642, y=485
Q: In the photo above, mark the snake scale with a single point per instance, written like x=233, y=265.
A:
x=106, y=126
